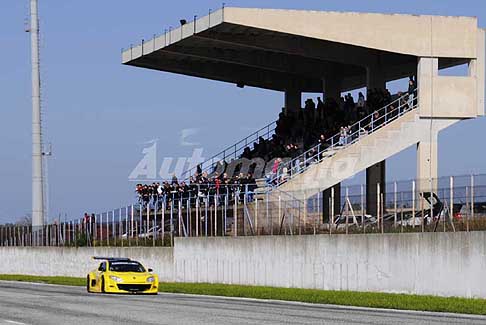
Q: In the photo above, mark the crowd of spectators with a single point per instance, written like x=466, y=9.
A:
x=328, y=121
x=199, y=186
x=300, y=130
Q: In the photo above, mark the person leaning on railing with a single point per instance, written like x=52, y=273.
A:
x=412, y=85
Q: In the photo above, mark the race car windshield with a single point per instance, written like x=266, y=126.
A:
x=126, y=267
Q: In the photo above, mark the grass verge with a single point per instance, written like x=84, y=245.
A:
x=63, y=280
x=344, y=298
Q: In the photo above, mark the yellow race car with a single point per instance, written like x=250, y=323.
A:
x=121, y=275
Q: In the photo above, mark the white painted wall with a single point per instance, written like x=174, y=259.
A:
x=446, y=264
x=77, y=262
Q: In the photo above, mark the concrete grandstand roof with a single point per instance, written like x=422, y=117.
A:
x=296, y=49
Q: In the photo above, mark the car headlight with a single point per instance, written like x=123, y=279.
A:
x=151, y=279
x=116, y=279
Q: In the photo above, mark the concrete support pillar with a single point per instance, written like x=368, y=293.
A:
x=326, y=202
x=332, y=87
x=427, y=72
x=375, y=79
x=293, y=100
x=427, y=155
x=374, y=175
x=427, y=150
x=477, y=70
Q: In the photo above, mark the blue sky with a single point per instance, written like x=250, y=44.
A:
x=98, y=114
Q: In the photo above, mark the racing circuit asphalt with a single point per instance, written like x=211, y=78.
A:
x=25, y=303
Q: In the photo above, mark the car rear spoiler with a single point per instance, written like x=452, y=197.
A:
x=112, y=259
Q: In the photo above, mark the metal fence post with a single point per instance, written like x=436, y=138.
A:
x=172, y=221
x=113, y=229
x=382, y=212
x=347, y=209
x=395, y=204
x=279, y=209
x=266, y=212
x=451, y=194
x=123, y=224
x=107, y=228
x=206, y=215
x=467, y=208
x=140, y=220
x=332, y=210
x=401, y=211
x=362, y=208
x=154, y=224
x=179, y=217
x=131, y=222
x=431, y=211
x=318, y=208
x=256, y=216
x=378, y=206
x=235, y=214
x=188, y=217
x=216, y=215
x=147, y=222
x=101, y=227
x=305, y=212
x=422, y=213
x=225, y=213
x=472, y=197
x=163, y=220
x=413, y=203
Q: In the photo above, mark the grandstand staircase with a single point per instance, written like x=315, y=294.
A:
x=340, y=163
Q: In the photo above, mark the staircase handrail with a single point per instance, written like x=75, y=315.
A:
x=233, y=150
x=368, y=124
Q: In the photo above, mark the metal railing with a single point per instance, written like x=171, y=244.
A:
x=149, y=45
x=234, y=151
x=353, y=134
x=456, y=204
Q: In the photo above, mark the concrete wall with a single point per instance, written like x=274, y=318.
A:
x=418, y=35
x=479, y=71
x=447, y=96
x=77, y=262
x=446, y=264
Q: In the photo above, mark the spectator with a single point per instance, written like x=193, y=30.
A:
x=275, y=167
x=411, y=92
x=360, y=107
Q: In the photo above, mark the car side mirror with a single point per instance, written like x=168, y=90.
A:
x=150, y=270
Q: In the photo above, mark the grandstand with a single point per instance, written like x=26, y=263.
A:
x=295, y=52
x=285, y=178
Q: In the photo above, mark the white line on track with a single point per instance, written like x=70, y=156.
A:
x=7, y=321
